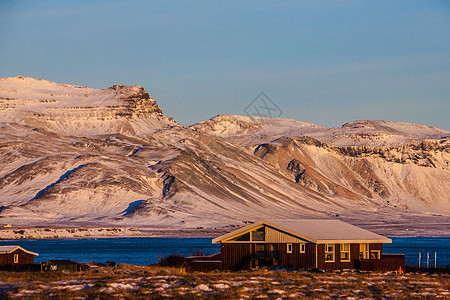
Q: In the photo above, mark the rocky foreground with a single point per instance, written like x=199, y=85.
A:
x=131, y=282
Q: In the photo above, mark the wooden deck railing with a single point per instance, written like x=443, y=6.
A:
x=204, y=263
x=387, y=262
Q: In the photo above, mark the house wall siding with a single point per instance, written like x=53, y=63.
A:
x=378, y=246
x=8, y=258
x=236, y=256
x=338, y=264
x=276, y=236
x=296, y=259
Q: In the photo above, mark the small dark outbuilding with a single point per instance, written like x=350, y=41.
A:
x=61, y=265
x=14, y=255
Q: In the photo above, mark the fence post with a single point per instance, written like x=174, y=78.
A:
x=435, y=260
x=428, y=259
x=420, y=256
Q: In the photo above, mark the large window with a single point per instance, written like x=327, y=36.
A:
x=329, y=252
x=242, y=238
x=258, y=235
x=16, y=258
x=345, y=252
x=363, y=251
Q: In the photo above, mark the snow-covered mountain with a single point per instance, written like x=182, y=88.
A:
x=73, y=155
x=75, y=110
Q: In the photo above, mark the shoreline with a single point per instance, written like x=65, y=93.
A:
x=41, y=233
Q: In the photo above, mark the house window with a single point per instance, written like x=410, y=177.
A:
x=302, y=248
x=242, y=238
x=345, y=252
x=329, y=252
x=260, y=248
x=363, y=251
x=258, y=235
x=375, y=254
x=274, y=251
x=289, y=248
x=16, y=258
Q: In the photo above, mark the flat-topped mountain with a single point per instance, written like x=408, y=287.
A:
x=73, y=155
x=70, y=109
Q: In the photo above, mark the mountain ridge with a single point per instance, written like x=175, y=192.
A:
x=117, y=160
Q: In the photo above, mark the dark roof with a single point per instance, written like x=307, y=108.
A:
x=61, y=261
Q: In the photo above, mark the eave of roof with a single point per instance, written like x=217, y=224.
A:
x=236, y=232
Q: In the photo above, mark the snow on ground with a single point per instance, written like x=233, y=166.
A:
x=61, y=233
x=112, y=283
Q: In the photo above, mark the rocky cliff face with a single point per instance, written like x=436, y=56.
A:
x=75, y=110
x=74, y=155
x=368, y=163
x=137, y=102
x=414, y=175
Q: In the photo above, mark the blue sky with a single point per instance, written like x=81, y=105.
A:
x=325, y=62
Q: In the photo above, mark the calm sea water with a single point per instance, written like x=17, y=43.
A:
x=145, y=251
x=411, y=246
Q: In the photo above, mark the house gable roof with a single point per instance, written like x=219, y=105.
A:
x=314, y=230
x=12, y=248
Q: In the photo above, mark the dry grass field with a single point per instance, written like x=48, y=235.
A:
x=137, y=282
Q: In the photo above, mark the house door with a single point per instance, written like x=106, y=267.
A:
x=265, y=255
x=274, y=254
x=260, y=255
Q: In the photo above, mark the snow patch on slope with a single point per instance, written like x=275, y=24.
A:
x=64, y=176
